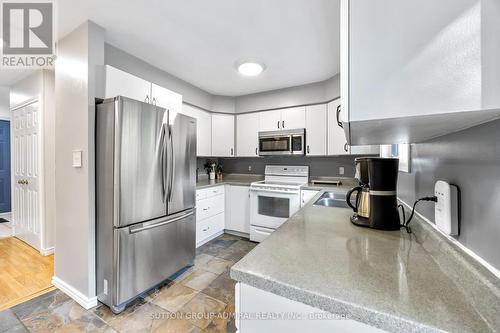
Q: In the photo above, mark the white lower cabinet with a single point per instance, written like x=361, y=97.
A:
x=210, y=214
x=252, y=303
x=239, y=209
x=306, y=196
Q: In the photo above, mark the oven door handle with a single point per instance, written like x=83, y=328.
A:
x=273, y=191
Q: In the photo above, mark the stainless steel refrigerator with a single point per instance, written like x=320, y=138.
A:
x=145, y=197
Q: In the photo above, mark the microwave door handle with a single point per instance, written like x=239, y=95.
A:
x=290, y=140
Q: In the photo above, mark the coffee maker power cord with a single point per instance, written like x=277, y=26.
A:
x=407, y=222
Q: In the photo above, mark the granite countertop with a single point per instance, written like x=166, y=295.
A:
x=247, y=179
x=231, y=179
x=392, y=280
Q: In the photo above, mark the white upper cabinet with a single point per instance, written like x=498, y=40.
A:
x=222, y=135
x=316, y=130
x=120, y=83
x=270, y=120
x=404, y=79
x=247, y=135
x=293, y=118
x=283, y=119
x=203, y=129
x=167, y=99
x=337, y=143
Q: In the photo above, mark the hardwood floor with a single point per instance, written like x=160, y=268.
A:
x=24, y=273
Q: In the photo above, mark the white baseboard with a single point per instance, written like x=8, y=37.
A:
x=208, y=239
x=47, y=252
x=471, y=253
x=237, y=233
x=84, y=301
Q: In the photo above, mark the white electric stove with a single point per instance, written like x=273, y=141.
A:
x=275, y=199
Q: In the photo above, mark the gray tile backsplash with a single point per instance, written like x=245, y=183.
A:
x=318, y=166
x=471, y=160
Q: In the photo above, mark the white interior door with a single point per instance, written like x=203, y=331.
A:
x=25, y=153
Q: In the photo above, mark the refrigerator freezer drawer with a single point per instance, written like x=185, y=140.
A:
x=150, y=253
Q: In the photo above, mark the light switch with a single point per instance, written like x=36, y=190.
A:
x=341, y=170
x=77, y=158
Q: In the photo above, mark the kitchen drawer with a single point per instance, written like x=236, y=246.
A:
x=209, y=207
x=209, y=192
x=209, y=227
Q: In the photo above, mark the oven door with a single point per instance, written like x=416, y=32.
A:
x=271, y=208
x=275, y=145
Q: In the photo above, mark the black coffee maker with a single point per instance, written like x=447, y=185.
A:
x=376, y=204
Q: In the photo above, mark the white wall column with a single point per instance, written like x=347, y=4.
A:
x=79, y=57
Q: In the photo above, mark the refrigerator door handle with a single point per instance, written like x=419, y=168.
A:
x=163, y=156
x=135, y=229
x=172, y=164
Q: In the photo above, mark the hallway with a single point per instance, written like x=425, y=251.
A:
x=24, y=273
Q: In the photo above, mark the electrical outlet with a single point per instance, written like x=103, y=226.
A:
x=446, y=211
x=249, y=168
x=341, y=170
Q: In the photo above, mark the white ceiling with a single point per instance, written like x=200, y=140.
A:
x=200, y=41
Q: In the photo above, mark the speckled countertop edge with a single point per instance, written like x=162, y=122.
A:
x=351, y=311
x=430, y=238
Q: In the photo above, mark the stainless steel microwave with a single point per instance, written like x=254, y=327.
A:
x=286, y=142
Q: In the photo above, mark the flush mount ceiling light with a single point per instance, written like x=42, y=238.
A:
x=250, y=68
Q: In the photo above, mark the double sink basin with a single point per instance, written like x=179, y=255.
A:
x=332, y=199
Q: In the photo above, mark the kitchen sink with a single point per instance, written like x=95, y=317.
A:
x=332, y=199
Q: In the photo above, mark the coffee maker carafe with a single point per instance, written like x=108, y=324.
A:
x=375, y=205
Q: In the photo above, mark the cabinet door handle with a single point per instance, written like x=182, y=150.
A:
x=153, y=101
x=338, y=118
x=146, y=100
x=283, y=124
x=308, y=149
x=231, y=151
x=278, y=124
x=256, y=151
x=346, y=147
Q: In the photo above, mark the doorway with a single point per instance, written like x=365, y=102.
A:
x=5, y=180
x=26, y=273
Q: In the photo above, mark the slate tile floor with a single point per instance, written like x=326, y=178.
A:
x=204, y=289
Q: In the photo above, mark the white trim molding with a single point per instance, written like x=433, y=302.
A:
x=471, y=253
x=47, y=251
x=84, y=301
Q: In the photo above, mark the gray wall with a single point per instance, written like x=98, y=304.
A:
x=191, y=94
x=312, y=93
x=470, y=159
x=301, y=95
x=318, y=166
